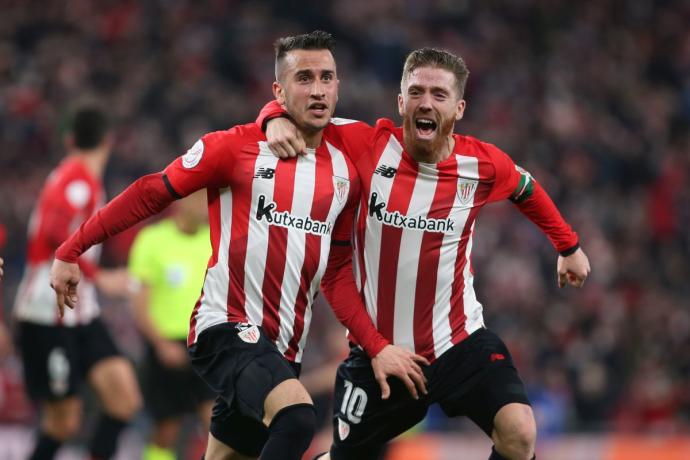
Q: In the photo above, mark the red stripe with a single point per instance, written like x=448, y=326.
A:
x=399, y=200
x=213, y=197
x=321, y=204
x=237, y=250
x=427, y=268
x=457, y=306
x=277, y=248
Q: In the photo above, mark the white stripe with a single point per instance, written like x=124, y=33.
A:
x=408, y=258
x=467, y=168
x=257, y=239
x=342, y=121
x=390, y=157
x=473, y=309
x=302, y=198
x=214, y=298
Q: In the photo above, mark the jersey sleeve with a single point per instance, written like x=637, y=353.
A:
x=142, y=255
x=268, y=112
x=147, y=196
x=207, y=164
x=506, y=174
x=518, y=185
x=538, y=207
x=354, y=137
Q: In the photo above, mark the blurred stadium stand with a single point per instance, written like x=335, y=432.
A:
x=593, y=98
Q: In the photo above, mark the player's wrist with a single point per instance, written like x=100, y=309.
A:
x=570, y=251
x=373, y=349
x=268, y=119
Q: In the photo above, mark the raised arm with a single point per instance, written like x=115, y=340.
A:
x=144, y=198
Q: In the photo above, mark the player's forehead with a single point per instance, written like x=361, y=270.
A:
x=431, y=77
x=315, y=61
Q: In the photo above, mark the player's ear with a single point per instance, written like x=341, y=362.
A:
x=460, y=110
x=401, y=105
x=278, y=92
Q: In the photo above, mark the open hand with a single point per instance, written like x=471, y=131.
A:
x=394, y=361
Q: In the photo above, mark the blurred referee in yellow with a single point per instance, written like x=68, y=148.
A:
x=167, y=262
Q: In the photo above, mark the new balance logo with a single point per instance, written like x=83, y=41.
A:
x=386, y=171
x=377, y=209
x=285, y=219
x=265, y=173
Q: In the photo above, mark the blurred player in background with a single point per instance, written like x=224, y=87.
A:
x=5, y=339
x=167, y=262
x=422, y=189
x=272, y=227
x=60, y=352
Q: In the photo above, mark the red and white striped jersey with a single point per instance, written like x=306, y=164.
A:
x=70, y=195
x=414, y=231
x=272, y=222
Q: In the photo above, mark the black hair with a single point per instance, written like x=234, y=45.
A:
x=88, y=125
x=316, y=40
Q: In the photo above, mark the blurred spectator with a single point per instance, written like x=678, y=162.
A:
x=593, y=98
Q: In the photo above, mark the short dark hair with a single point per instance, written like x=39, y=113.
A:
x=88, y=125
x=316, y=40
x=433, y=57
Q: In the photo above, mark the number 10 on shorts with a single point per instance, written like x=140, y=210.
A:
x=354, y=402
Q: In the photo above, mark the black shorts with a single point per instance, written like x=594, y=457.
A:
x=474, y=378
x=242, y=366
x=171, y=392
x=57, y=359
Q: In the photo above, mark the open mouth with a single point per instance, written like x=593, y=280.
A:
x=425, y=127
x=318, y=108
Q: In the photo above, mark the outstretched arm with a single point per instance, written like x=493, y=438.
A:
x=147, y=196
x=573, y=265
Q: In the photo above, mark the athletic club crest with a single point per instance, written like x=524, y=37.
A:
x=466, y=189
x=248, y=333
x=343, y=429
x=341, y=187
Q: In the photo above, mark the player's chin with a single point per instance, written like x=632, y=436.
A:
x=317, y=124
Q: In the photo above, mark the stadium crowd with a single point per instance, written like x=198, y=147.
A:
x=593, y=98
